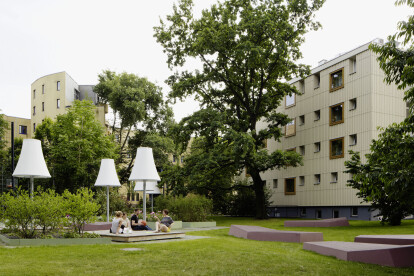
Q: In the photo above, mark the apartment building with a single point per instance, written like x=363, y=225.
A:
x=22, y=128
x=341, y=105
x=52, y=94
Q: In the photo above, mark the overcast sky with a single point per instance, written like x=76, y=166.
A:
x=84, y=37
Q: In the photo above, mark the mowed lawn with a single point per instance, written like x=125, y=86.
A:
x=219, y=255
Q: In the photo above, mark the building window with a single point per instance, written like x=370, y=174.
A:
x=316, y=80
x=352, y=104
x=34, y=127
x=352, y=65
x=77, y=95
x=303, y=212
x=290, y=184
x=301, y=120
x=58, y=103
x=336, y=114
x=117, y=138
x=352, y=140
x=334, y=177
x=302, y=150
x=301, y=180
x=336, y=148
x=34, y=94
x=317, y=179
x=43, y=89
x=43, y=106
x=174, y=158
x=354, y=211
x=290, y=100
x=182, y=159
x=336, y=80
x=317, y=115
x=317, y=146
x=58, y=86
x=22, y=129
x=291, y=149
x=274, y=183
x=290, y=128
x=34, y=110
x=335, y=213
x=302, y=86
x=318, y=214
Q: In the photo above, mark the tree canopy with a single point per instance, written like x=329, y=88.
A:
x=247, y=49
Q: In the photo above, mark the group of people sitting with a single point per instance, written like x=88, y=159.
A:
x=121, y=224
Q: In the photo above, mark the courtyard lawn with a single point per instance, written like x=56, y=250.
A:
x=219, y=255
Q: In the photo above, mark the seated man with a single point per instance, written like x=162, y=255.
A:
x=137, y=224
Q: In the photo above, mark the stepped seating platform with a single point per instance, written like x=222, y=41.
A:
x=137, y=236
x=265, y=234
x=386, y=239
x=334, y=222
x=380, y=254
x=96, y=226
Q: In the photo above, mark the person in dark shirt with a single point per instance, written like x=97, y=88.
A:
x=165, y=224
x=138, y=224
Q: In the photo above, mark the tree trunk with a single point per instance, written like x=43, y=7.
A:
x=258, y=185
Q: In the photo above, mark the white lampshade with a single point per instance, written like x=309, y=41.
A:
x=144, y=167
x=31, y=162
x=149, y=186
x=107, y=174
x=156, y=191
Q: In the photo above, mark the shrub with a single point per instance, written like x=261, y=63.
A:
x=49, y=210
x=116, y=202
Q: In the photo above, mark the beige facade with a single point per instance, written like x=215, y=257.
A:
x=22, y=128
x=344, y=100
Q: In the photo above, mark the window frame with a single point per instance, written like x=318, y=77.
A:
x=294, y=186
x=316, y=80
x=330, y=80
x=286, y=128
x=58, y=103
x=58, y=86
x=43, y=89
x=330, y=114
x=352, y=211
x=275, y=183
x=317, y=176
x=294, y=101
x=330, y=148
x=302, y=120
x=34, y=93
x=334, y=177
x=43, y=106
x=302, y=180
x=317, y=113
x=315, y=144
x=353, y=138
x=22, y=127
x=352, y=104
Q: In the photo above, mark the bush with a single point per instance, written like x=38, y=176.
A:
x=49, y=210
x=116, y=202
x=189, y=208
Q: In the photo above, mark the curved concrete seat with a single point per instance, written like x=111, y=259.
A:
x=334, y=222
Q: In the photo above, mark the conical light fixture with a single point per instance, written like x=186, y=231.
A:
x=107, y=177
x=31, y=162
x=144, y=170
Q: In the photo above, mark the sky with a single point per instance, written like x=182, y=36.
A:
x=85, y=37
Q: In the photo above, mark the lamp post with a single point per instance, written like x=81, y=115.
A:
x=144, y=170
x=31, y=163
x=107, y=177
x=156, y=191
x=149, y=187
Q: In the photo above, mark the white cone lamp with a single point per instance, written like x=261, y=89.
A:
x=156, y=191
x=31, y=163
x=144, y=170
x=107, y=177
x=149, y=188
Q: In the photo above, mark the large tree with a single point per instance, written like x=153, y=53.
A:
x=386, y=178
x=140, y=116
x=248, y=50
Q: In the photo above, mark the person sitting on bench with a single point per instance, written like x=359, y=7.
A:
x=116, y=223
x=165, y=224
x=138, y=224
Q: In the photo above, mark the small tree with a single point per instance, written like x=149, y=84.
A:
x=50, y=210
x=80, y=208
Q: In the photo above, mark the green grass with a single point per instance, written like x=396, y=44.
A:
x=219, y=255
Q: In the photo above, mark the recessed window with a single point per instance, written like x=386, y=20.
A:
x=335, y=213
x=352, y=104
x=290, y=100
x=352, y=140
x=318, y=214
x=290, y=128
x=175, y=160
x=336, y=148
x=317, y=179
x=316, y=80
x=117, y=137
x=301, y=120
x=301, y=180
x=290, y=184
x=317, y=115
x=334, y=177
x=58, y=86
x=301, y=86
x=77, y=95
x=317, y=147
x=43, y=89
x=182, y=159
x=34, y=94
x=34, y=127
x=336, y=80
x=303, y=212
x=291, y=149
x=352, y=65
x=336, y=114
x=354, y=211
x=274, y=183
x=58, y=103
x=43, y=106
x=302, y=150
x=34, y=110
x=22, y=129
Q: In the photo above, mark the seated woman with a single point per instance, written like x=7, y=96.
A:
x=165, y=224
x=125, y=223
x=116, y=223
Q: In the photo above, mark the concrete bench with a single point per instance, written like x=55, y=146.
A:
x=265, y=234
x=137, y=236
x=386, y=239
x=381, y=254
x=96, y=226
x=334, y=222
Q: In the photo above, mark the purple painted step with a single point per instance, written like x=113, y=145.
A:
x=97, y=226
x=265, y=234
x=386, y=239
x=381, y=254
x=317, y=223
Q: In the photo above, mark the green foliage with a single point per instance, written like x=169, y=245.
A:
x=248, y=49
x=116, y=202
x=73, y=147
x=3, y=128
x=189, y=208
x=80, y=208
x=50, y=210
